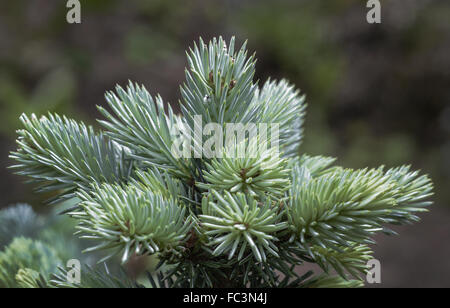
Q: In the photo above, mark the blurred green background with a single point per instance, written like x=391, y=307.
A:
x=377, y=94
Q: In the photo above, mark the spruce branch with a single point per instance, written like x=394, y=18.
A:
x=139, y=123
x=257, y=172
x=159, y=182
x=92, y=278
x=316, y=165
x=326, y=281
x=228, y=220
x=30, y=279
x=343, y=260
x=130, y=220
x=279, y=102
x=237, y=222
x=345, y=206
x=26, y=254
x=219, y=83
x=63, y=155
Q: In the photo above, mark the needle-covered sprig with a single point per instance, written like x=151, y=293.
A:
x=219, y=83
x=235, y=220
x=238, y=223
x=279, y=102
x=131, y=220
x=257, y=171
x=344, y=206
x=63, y=155
x=139, y=123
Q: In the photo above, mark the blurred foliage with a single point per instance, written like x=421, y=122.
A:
x=35, y=246
x=54, y=91
x=26, y=254
x=21, y=220
x=18, y=220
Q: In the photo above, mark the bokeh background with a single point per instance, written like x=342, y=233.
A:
x=377, y=93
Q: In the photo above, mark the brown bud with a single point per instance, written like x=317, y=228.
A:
x=211, y=77
x=232, y=84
